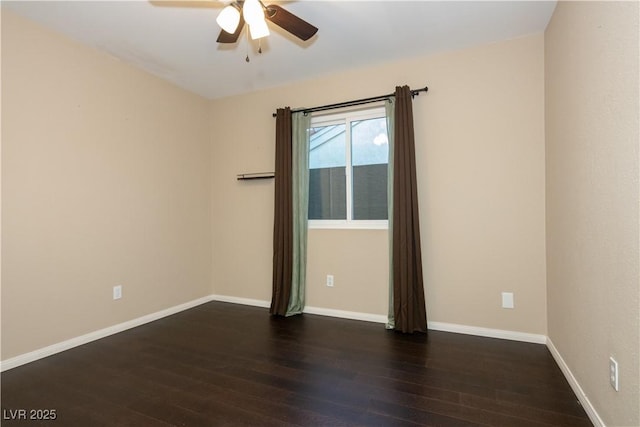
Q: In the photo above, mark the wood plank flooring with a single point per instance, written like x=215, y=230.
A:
x=230, y=365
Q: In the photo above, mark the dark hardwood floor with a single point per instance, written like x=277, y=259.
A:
x=229, y=365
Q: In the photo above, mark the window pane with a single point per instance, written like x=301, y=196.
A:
x=370, y=192
x=327, y=193
x=327, y=180
x=369, y=142
x=327, y=147
x=369, y=155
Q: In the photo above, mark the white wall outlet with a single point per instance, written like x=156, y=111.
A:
x=330, y=280
x=507, y=300
x=613, y=373
x=117, y=292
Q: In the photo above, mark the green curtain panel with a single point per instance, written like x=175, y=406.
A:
x=291, y=201
x=409, y=312
x=300, y=201
x=390, y=112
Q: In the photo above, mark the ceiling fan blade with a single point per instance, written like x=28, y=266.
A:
x=290, y=22
x=225, y=37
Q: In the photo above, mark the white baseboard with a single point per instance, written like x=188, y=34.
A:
x=580, y=394
x=20, y=360
x=366, y=317
x=488, y=332
x=380, y=318
x=241, y=301
x=353, y=315
x=41, y=353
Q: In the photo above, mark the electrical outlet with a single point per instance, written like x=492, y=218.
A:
x=330, y=280
x=507, y=300
x=613, y=373
x=117, y=292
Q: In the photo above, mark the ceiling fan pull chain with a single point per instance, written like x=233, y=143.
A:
x=259, y=45
x=248, y=43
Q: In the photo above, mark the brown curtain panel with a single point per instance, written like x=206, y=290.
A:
x=408, y=289
x=283, y=216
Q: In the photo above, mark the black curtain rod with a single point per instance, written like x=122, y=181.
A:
x=353, y=103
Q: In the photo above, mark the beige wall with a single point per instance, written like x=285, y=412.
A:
x=480, y=159
x=105, y=181
x=592, y=173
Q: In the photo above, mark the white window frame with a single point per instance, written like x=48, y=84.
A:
x=347, y=117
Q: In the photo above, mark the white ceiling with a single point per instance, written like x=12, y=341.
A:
x=176, y=40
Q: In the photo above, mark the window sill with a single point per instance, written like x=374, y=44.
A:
x=348, y=225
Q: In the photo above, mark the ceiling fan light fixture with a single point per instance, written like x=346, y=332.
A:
x=258, y=30
x=252, y=12
x=229, y=19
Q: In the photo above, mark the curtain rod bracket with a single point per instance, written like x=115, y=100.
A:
x=416, y=92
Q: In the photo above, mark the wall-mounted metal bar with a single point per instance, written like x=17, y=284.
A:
x=353, y=103
x=257, y=175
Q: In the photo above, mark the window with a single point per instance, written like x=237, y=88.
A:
x=348, y=158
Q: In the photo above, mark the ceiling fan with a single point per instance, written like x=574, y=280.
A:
x=255, y=14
